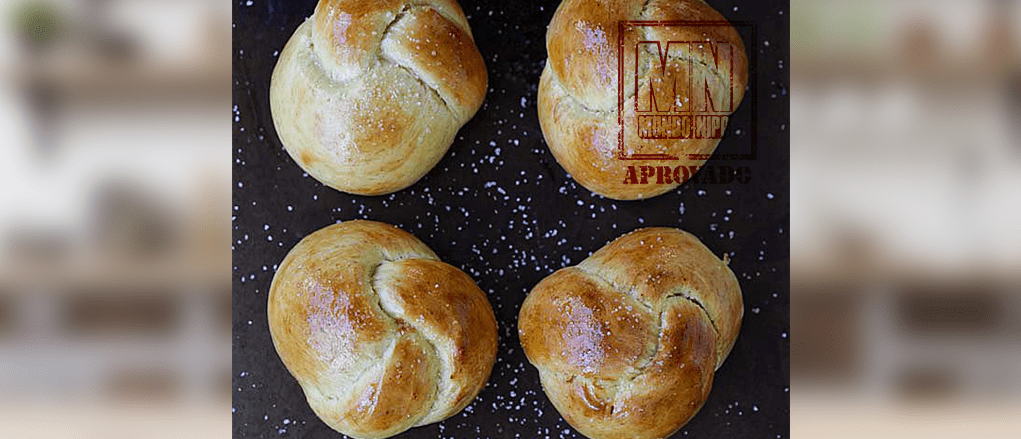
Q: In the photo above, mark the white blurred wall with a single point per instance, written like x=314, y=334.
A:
x=905, y=213
x=114, y=239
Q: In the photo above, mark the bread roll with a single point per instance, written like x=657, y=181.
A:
x=627, y=341
x=381, y=335
x=578, y=90
x=367, y=95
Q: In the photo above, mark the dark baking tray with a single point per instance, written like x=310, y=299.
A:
x=499, y=207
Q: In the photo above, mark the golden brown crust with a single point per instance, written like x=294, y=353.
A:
x=380, y=334
x=578, y=90
x=627, y=341
x=368, y=95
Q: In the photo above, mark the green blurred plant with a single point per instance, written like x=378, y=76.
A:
x=37, y=23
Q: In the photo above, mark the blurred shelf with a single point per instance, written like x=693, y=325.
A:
x=826, y=268
x=68, y=275
x=836, y=415
x=81, y=77
x=115, y=419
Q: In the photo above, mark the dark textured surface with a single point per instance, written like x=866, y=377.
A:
x=499, y=207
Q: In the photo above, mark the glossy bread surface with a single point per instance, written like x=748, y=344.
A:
x=578, y=89
x=368, y=95
x=380, y=334
x=626, y=342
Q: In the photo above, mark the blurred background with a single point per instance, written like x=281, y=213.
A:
x=114, y=231
x=906, y=218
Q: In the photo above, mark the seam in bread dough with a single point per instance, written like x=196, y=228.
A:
x=361, y=375
x=399, y=319
x=645, y=5
x=574, y=100
x=704, y=311
x=643, y=72
x=387, y=61
x=349, y=397
x=616, y=288
x=661, y=328
x=392, y=62
x=446, y=105
x=643, y=363
x=400, y=14
x=443, y=13
x=640, y=368
x=646, y=360
x=382, y=366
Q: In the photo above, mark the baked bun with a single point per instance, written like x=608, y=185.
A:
x=367, y=94
x=381, y=335
x=578, y=90
x=627, y=341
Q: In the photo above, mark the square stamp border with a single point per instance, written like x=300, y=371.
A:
x=752, y=86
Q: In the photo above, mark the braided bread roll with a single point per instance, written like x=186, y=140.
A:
x=627, y=341
x=578, y=89
x=368, y=94
x=381, y=335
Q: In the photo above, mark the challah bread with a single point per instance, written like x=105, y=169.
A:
x=627, y=341
x=381, y=335
x=368, y=95
x=578, y=90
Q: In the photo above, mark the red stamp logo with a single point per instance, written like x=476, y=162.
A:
x=681, y=88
